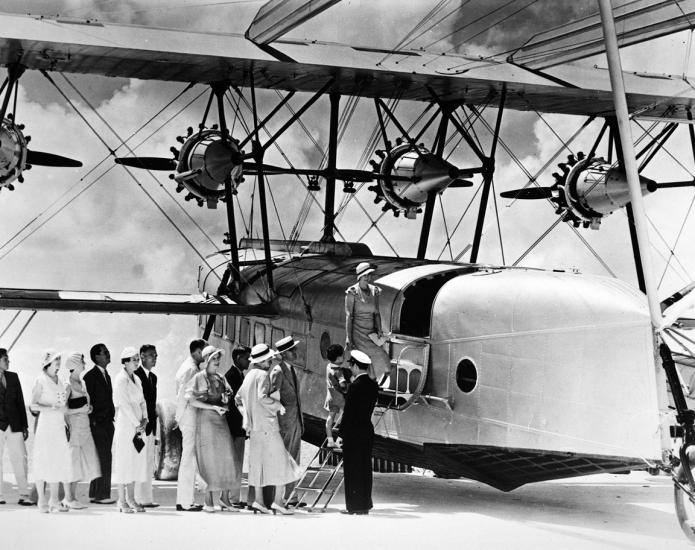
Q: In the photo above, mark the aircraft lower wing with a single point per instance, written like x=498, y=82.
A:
x=176, y=55
x=127, y=302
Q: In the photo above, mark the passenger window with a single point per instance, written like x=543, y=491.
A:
x=301, y=351
x=259, y=334
x=277, y=334
x=218, y=329
x=231, y=326
x=244, y=332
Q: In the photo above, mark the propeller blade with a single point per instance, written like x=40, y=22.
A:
x=148, y=163
x=39, y=158
x=528, y=193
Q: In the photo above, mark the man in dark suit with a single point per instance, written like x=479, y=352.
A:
x=148, y=359
x=283, y=378
x=357, y=433
x=13, y=428
x=100, y=392
x=235, y=377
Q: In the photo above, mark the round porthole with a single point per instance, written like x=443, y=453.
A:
x=466, y=375
x=324, y=343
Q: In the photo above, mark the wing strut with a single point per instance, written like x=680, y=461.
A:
x=620, y=102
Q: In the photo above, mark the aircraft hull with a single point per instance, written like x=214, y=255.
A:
x=564, y=381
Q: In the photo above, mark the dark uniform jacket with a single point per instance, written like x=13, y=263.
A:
x=359, y=405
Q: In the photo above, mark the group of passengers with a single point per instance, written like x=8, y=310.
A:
x=91, y=429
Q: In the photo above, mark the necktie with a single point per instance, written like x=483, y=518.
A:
x=2, y=380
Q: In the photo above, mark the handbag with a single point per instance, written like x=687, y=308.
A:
x=138, y=443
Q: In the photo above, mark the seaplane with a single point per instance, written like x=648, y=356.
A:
x=503, y=374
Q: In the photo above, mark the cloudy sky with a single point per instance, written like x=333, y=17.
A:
x=112, y=237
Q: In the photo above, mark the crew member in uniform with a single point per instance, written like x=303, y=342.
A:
x=357, y=433
x=100, y=392
x=148, y=379
x=14, y=428
x=283, y=378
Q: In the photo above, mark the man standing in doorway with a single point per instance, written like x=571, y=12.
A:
x=100, y=392
x=148, y=359
x=14, y=428
x=283, y=378
x=186, y=419
x=357, y=433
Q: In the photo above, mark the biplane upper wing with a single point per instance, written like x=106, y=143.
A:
x=128, y=302
x=176, y=55
x=636, y=21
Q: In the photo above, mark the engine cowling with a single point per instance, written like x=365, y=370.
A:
x=203, y=163
x=593, y=189
x=425, y=172
x=13, y=153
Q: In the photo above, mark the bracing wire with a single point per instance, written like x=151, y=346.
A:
x=128, y=171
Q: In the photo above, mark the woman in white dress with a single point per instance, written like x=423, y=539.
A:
x=84, y=461
x=129, y=464
x=51, y=454
x=269, y=461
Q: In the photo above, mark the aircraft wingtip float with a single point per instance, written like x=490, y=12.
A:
x=502, y=374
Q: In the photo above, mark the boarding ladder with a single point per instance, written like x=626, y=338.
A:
x=322, y=479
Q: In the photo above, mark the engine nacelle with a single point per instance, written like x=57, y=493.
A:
x=205, y=160
x=593, y=189
x=425, y=171
x=13, y=153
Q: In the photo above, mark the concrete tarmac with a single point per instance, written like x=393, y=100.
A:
x=411, y=511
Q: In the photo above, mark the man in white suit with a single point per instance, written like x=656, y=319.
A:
x=186, y=419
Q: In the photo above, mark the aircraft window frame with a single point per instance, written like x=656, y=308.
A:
x=274, y=331
x=324, y=343
x=257, y=327
x=245, y=332
x=464, y=379
x=218, y=327
x=230, y=329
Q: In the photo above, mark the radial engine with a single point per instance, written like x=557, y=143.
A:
x=418, y=173
x=587, y=190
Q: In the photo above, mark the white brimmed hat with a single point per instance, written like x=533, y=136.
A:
x=211, y=351
x=288, y=342
x=363, y=269
x=360, y=359
x=73, y=360
x=261, y=352
x=49, y=356
x=129, y=352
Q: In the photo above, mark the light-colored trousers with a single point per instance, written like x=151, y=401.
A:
x=185, y=489
x=14, y=441
x=143, y=490
x=238, y=445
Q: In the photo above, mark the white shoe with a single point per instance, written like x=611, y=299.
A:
x=73, y=504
